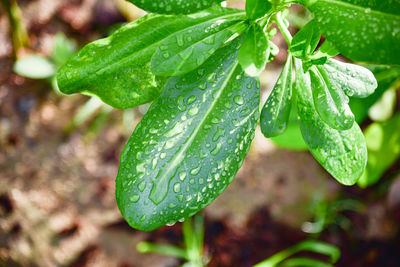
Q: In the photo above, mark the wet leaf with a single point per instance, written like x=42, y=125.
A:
x=117, y=68
x=306, y=40
x=190, y=144
x=276, y=110
x=354, y=80
x=342, y=153
x=330, y=101
x=257, y=8
x=366, y=31
x=321, y=56
x=255, y=50
x=174, y=6
x=187, y=49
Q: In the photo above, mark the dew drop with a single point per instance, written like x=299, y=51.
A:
x=238, y=100
x=142, y=186
x=134, y=198
x=165, y=55
x=177, y=187
x=195, y=170
x=182, y=176
x=193, y=111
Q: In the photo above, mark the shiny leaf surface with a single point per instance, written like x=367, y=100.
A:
x=117, y=68
x=257, y=8
x=187, y=49
x=174, y=6
x=255, y=50
x=362, y=30
x=330, y=101
x=190, y=144
x=276, y=110
x=342, y=153
x=354, y=80
x=306, y=40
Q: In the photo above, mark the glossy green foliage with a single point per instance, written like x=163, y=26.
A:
x=190, y=144
x=276, y=110
x=257, y=8
x=342, y=153
x=187, y=49
x=354, y=80
x=330, y=101
x=385, y=76
x=383, y=144
x=174, y=6
x=117, y=68
x=362, y=30
x=321, y=56
x=255, y=50
x=306, y=40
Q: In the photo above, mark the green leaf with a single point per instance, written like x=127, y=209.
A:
x=63, y=48
x=34, y=67
x=291, y=138
x=383, y=144
x=187, y=49
x=319, y=57
x=354, y=80
x=255, y=50
x=306, y=40
x=342, y=153
x=362, y=30
x=190, y=144
x=117, y=68
x=257, y=8
x=174, y=6
x=276, y=110
x=329, y=99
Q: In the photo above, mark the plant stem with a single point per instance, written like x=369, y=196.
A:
x=282, y=27
x=167, y=250
x=18, y=31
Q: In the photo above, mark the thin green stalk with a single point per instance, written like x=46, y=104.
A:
x=193, y=236
x=19, y=35
x=167, y=250
x=282, y=27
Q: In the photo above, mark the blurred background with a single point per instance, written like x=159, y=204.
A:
x=59, y=156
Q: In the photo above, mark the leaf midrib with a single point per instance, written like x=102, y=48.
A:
x=177, y=159
x=191, y=46
x=128, y=58
x=286, y=69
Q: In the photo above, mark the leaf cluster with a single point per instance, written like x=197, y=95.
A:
x=200, y=64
